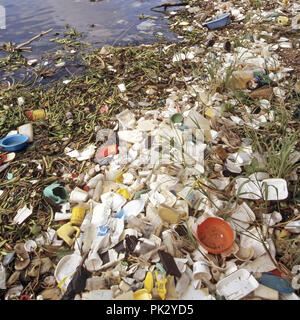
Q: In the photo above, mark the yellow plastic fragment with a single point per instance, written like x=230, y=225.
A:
x=283, y=234
x=142, y=294
x=209, y=112
x=184, y=23
x=161, y=285
x=119, y=178
x=168, y=214
x=68, y=233
x=124, y=192
x=148, y=282
x=283, y=21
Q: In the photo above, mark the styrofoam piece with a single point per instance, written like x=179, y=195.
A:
x=65, y=269
x=126, y=119
x=266, y=293
x=293, y=226
x=195, y=120
x=241, y=217
x=232, y=167
x=170, y=199
x=117, y=227
x=133, y=207
x=101, y=214
x=125, y=296
x=181, y=264
x=168, y=240
x=62, y=216
x=22, y=214
x=251, y=238
x=260, y=264
x=230, y=268
x=146, y=125
x=272, y=218
x=268, y=189
x=30, y=245
x=78, y=195
x=84, y=154
x=182, y=284
x=97, y=295
x=193, y=197
x=26, y=130
x=95, y=283
x=93, y=261
x=296, y=278
x=116, y=200
x=289, y=296
x=2, y=276
x=196, y=294
x=131, y=136
x=240, y=158
x=92, y=183
x=237, y=285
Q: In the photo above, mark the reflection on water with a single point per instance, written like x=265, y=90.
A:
x=102, y=22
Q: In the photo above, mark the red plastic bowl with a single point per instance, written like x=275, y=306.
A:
x=215, y=235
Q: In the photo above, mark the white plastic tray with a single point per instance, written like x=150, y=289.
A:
x=237, y=285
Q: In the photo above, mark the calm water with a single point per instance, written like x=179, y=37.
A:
x=102, y=22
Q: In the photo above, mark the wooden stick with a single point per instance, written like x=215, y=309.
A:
x=34, y=38
x=165, y=5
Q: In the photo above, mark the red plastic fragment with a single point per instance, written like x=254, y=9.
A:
x=107, y=151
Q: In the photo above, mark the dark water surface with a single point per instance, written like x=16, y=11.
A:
x=102, y=22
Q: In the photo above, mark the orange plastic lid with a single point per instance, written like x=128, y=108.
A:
x=215, y=235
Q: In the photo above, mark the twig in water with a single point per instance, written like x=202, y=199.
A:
x=20, y=46
x=166, y=5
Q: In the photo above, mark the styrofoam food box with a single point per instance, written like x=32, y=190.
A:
x=237, y=285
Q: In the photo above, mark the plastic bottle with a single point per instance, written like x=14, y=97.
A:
x=35, y=114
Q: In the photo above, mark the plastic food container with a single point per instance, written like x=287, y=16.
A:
x=65, y=269
x=215, y=235
x=218, y=22
x=237, y=285
x=14, y=143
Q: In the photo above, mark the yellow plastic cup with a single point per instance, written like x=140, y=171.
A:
x=78, y=214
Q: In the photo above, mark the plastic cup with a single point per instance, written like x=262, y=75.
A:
x=78, y=214
x=201, y=270
x=93, y=262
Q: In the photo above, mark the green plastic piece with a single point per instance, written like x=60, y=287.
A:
x=160, y=268
x=138, y=194
x=57, y=193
